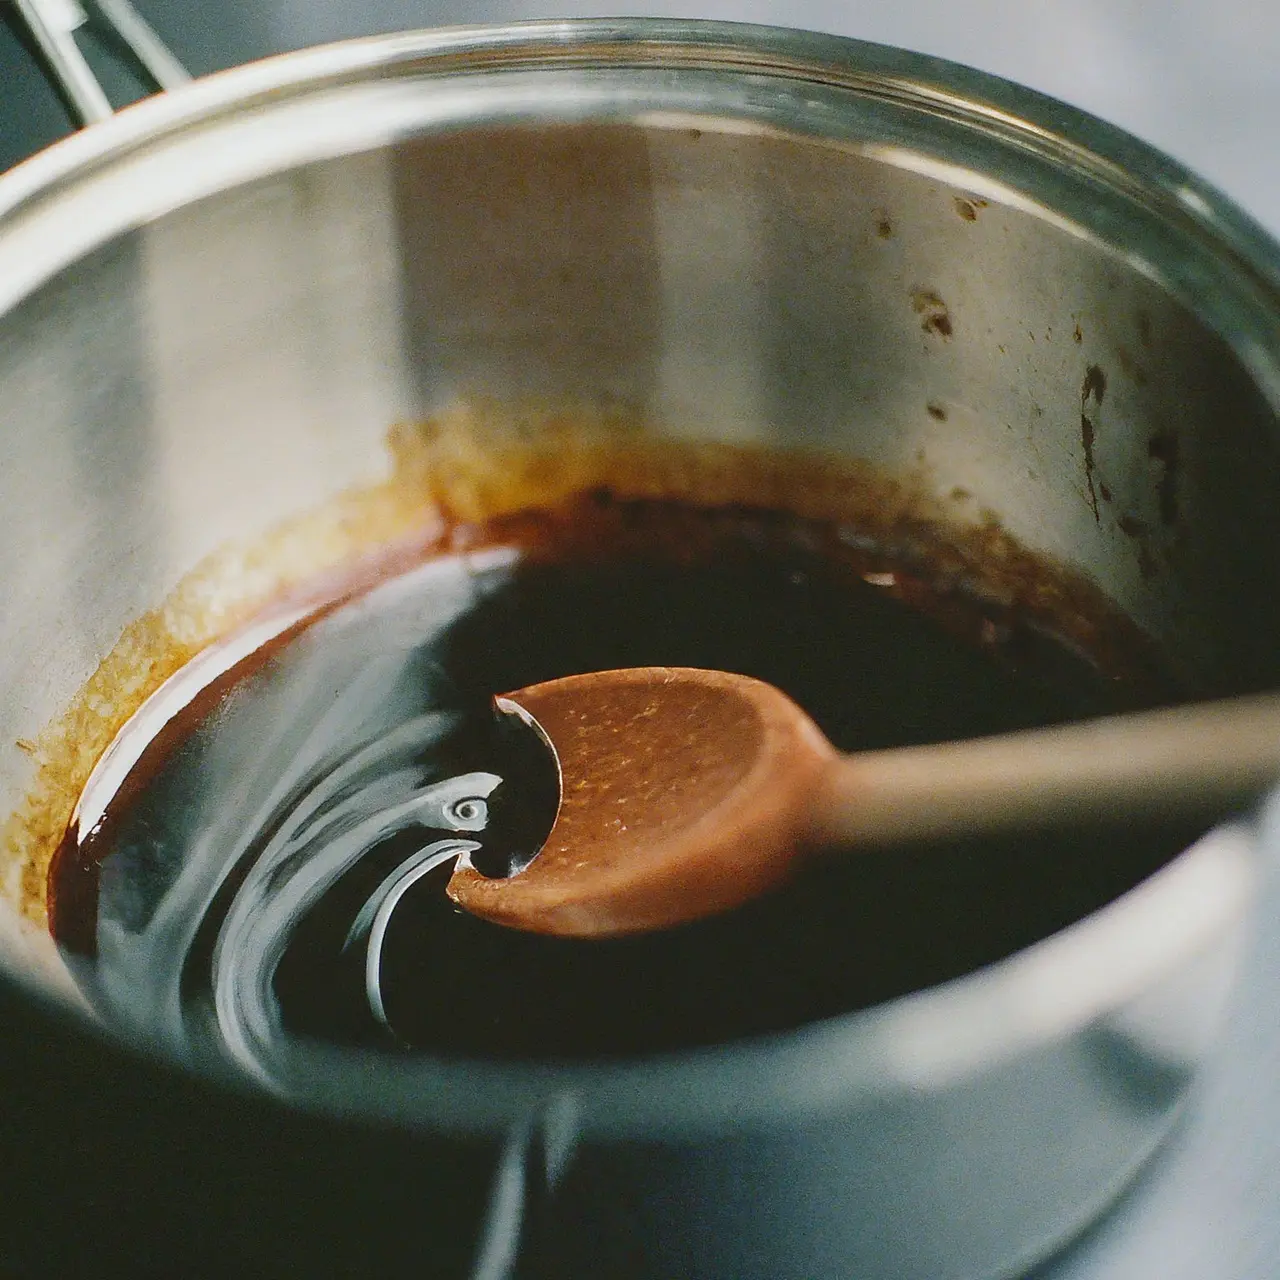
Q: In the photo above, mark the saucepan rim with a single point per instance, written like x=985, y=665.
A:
x=931, y=1038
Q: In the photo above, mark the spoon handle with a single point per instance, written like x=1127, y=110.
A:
x=1207, y=758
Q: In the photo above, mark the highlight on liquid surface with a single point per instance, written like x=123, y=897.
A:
x=260, y=861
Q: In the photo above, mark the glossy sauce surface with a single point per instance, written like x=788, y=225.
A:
x=271, y=867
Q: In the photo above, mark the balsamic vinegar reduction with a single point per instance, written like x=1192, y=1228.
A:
x=272, y=866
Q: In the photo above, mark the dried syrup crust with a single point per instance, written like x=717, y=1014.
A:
x=485, y=460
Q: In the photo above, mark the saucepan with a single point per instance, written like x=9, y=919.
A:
x=212, y=307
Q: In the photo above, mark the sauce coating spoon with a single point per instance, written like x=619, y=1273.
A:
x=686, y=792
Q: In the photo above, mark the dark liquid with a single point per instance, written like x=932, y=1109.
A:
x=232, y=889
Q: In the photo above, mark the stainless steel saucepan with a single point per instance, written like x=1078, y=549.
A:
x=213, y=305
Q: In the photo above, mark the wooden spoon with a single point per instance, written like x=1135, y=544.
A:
x=687, y=792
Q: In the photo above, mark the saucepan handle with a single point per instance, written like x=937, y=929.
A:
x=53, y=24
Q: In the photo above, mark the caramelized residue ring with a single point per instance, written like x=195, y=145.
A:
x=483, y=461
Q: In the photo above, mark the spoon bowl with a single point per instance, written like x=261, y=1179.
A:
x=680, y=796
